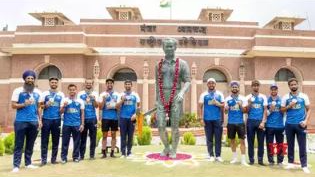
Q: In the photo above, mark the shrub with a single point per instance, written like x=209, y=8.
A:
x=169, y=138
x=135, y=141
x=146, y=137
x=9, y=143
x=99, y=135
x=189, y=120
x=2, y=148
x=50, y=142
x=189, y=139
x=228, y=141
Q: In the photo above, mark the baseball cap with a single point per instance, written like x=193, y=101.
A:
x=211, y=80
x=53, y=78
x=255, y=82
x=274, y=85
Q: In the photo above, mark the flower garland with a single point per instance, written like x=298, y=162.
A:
x=167, y=105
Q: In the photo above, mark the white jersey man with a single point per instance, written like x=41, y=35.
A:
x=25, y=100
x=73, y=124
x=235, y=106
x=108, y=101
x=211, y=104
x=90, y=98
x=257, y=116
x=129, y=105
x=51, y=119
x=297, y=107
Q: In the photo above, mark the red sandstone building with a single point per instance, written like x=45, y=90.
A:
x=128, y=46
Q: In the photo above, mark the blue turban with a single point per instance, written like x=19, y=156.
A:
x=29, y=73
x=234, y=83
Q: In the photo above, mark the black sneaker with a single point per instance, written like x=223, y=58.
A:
x=104, y=154
x=54, y=162
x=261, y=163
x=112, y=154
x=251, y=163
x=43, y=164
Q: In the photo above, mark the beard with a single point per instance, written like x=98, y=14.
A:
x=294, y=89
x=234, y=91
x=29, y=87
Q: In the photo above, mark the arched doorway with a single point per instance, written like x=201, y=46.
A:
x=45, y=74
x=123, y=74
x=282, y=76
x=221, y=79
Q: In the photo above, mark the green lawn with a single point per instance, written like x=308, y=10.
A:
x=139, y=166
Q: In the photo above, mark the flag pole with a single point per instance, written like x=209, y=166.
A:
x=171, y=9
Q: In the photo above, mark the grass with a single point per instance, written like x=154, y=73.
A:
x=139, y=167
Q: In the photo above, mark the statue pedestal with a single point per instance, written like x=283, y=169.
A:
x=179, y=156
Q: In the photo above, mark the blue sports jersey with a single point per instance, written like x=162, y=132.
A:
x=211, y=111
x=275, y=118
x=89, y=109
x=30, y=112
x=128, y=108
x=296, y=114
x=72, y=114
x=235, y=113
x=256, y=109
x=109, y=111
x=53, y=111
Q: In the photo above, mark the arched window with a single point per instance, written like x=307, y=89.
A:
x=49, y=71
x=125, y=74
x=284, y=74
x=216, y=74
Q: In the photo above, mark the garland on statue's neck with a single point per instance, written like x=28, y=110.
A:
x=167, y=105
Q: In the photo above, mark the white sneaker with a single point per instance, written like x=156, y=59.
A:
x=219, y=159
x=211, y=159
x=130, y=156
x=15, y=170
x=244, y=164
x=306, y=170
x=122, y=156
x=289, y=166
x=31, y=166
x=233, y=161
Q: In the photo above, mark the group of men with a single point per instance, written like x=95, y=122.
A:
x=36, y=110
x=267, y=118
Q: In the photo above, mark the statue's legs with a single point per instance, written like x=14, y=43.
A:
x=162, y=131
x=175, y=116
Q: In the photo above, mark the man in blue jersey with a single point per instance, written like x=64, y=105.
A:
x=235, y=106
x=90, y=98
x=274, y=126
x=257, y=114
x=25, y=100
x=211, y=104
x=51, y=120
x=129, y=105
x=73, y=124
x=297, y=107
x=108, y=101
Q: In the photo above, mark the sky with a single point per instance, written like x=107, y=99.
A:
x=15, y=12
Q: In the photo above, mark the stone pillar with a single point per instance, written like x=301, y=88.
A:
x=193, y=99
x=241, y=72
x=145, y=89
x=96, y=74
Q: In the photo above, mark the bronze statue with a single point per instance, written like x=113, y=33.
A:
x=170, y=73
